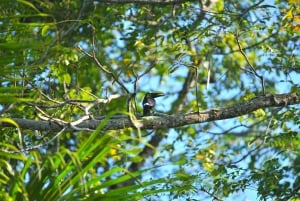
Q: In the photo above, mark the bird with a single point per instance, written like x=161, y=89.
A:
x=149, y=102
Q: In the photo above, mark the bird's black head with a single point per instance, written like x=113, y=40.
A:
x=149, y=102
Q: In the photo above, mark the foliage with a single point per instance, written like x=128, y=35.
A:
x=57, y=57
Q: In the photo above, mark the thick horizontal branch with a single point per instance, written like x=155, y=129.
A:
x=168, y=121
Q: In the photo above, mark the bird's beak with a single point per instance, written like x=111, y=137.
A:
x=155, y=95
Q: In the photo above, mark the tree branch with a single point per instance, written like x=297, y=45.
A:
x=166, y=121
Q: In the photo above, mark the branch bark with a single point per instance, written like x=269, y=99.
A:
x=166, y=121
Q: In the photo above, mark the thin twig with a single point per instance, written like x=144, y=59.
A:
x=259, y=146
x=249, y=63
x=45, y=143
x=45, y=117
x=210, y=194
x=36, y=146
x=104, y=69
x=85, y=5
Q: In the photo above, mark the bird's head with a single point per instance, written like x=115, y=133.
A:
x=149, y=102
